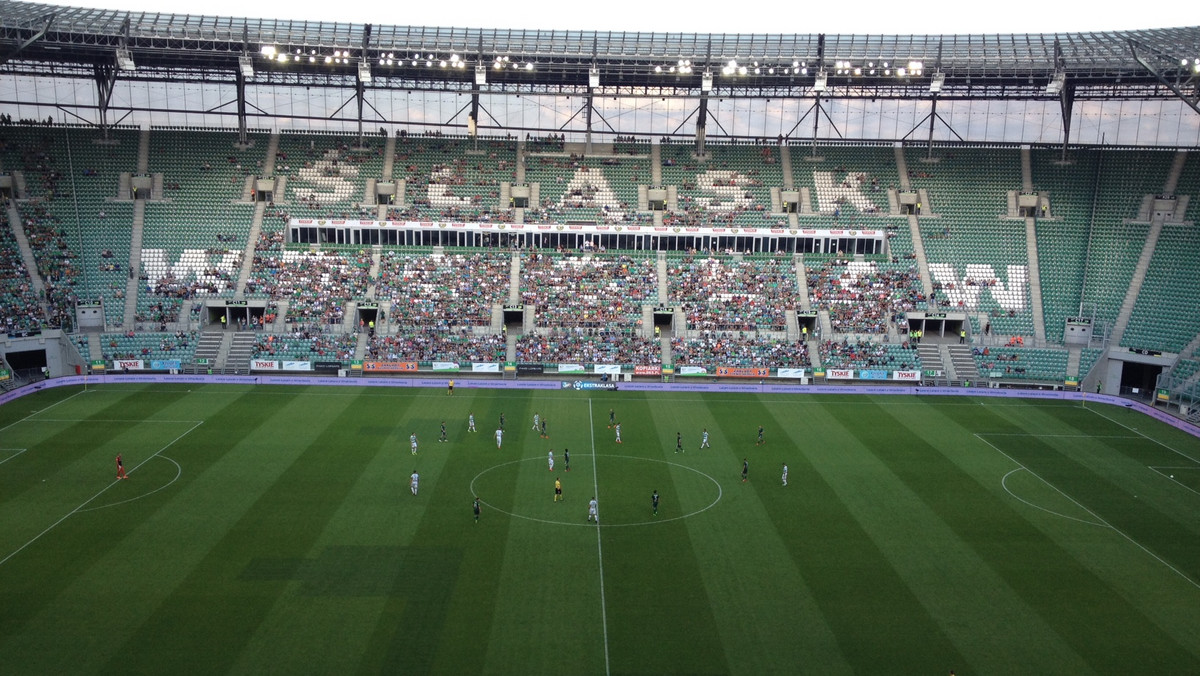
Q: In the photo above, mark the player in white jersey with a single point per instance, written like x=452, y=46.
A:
x=593, y=512
x=471, y=423
x=618, y=430
x=499, y=437
x=704, y=439
x=785, y=474
x=412, y=441
x=412, y=484
x=550, y=460
x=536, y=421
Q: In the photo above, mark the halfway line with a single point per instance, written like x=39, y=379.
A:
x=599, y=549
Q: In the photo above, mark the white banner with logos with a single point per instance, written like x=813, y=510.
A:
x=571, y=368
x=839, y=374
x=791, y=373
x=485, y=367
x=128, y=364
x=692, y=371
x=297, y=365
x=610, y=369
x=907, y=376
x=264, y=365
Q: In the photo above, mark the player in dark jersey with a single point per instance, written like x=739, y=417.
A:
x=566, y=460
x=678, y=442
x=654, y=501
x=121, y=468
x=475, y=507
x=745, y=469
x=443, y=437
x=760, y=436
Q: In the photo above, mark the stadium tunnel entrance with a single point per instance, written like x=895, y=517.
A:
x=369, y=316
x=938, y=326
x=237, y=313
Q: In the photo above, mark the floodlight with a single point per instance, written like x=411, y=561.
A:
x=1056, y=82
x=125, y=60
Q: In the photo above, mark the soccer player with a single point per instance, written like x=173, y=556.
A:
x=412, y=441
x=785, y=474
x=566, y=460
x=745, y=469
x=501, y=421
x=618, y=428
x=550, y=460
x=557, y=490
x=704, y=439
x=443, y=437
x=412, y=483
x=536, y=421
x=760, y=436
x=612, y=418
x=121, y=468
x=499, y=436
x=544, y=435
x=678, y=442
x=471, y=422
x=450, y=387
x=654, y=501
x=593, y=511
x=475, y=507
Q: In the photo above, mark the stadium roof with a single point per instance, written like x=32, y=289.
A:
x=48, y=40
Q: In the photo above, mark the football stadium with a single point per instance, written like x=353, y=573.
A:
x=747, y=352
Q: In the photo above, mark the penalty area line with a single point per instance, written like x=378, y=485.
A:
x=102, y=491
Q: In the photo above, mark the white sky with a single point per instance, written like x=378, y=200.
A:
x=898, y=17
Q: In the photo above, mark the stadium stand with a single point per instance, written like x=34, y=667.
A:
x=443, y=289
x=592, y=290
x=733, y=293
x=978, y=259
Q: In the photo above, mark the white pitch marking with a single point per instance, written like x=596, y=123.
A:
x=1097, y=516
x=178, y=473
x=98, y=494
x=42, y=410
x=576, y=524
x=1134, y=430
x=19, y=451
x=599, y=549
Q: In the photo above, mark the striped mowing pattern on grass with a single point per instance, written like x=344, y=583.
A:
x=271, y=529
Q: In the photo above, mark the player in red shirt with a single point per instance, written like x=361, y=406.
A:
x=121, y=468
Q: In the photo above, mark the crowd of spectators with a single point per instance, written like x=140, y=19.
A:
x=443, y=290
x=589, y=290
x=444, y=182
x=316, y=284
x=306, y=344
x=429, y=344
x=588, y=346
x=57, y=264
x=732, y=348
x=865, y=354
x=131, y=345
x=168, y=292
x=721, y=293
x=864, y=297
x=19, y=306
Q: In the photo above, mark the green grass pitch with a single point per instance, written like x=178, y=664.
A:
x=272, y=530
